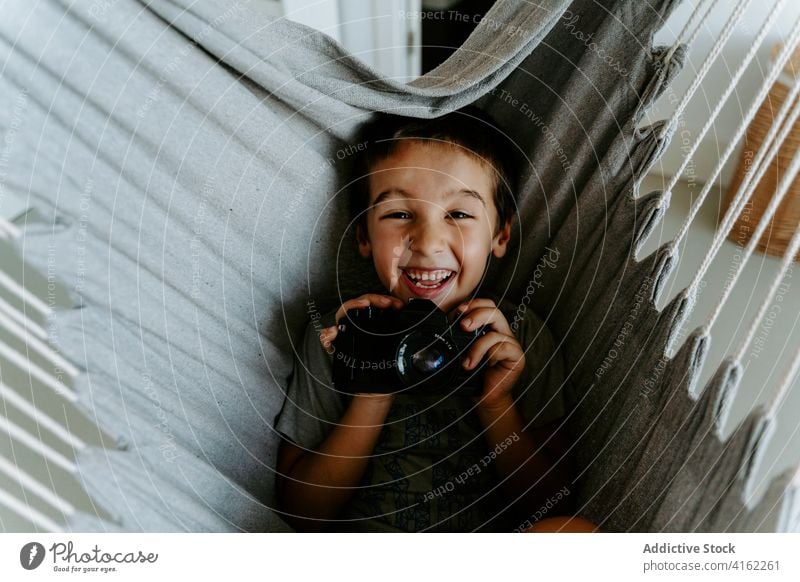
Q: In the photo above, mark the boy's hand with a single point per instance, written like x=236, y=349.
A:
x=328, y=334
x=505, y=357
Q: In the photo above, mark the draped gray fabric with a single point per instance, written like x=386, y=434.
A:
x=189, y=159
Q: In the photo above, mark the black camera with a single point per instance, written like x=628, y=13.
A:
x=413, y=349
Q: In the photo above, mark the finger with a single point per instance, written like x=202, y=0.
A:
x=506, y=353
x=475, y=303
x=327, y=335
x=375, y=396
x=508, y=347
x=385, y=300
x=489, y=316
x=358, y=303
x=381, y=301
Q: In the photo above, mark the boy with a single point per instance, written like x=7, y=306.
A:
x=432, y=206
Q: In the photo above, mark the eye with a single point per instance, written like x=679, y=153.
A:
x=401, y=214
x=459, y=215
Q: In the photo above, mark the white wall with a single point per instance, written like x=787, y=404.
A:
x=379, y=32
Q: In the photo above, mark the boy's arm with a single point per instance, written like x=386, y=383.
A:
x=531, y=471
x=523, y=464
x=312, y=486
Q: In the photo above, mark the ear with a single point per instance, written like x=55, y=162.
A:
x=364, y=248
x=501, y=239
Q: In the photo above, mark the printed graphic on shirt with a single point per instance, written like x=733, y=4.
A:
x=421, y=469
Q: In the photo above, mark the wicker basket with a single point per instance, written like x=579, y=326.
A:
x=784, y=222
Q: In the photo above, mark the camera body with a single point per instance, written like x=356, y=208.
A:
x=414, y=349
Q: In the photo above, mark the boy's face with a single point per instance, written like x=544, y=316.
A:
x=431, y=223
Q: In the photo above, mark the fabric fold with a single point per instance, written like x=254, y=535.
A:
x=191, y=161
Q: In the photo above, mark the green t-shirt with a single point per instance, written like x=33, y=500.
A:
x=431, y=469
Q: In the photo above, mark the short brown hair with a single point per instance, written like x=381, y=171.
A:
x=470, y=128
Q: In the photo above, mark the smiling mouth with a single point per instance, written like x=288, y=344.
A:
x=428, y=279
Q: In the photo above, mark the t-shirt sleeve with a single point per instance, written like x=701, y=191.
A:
x=312, y=407
x=541, y=386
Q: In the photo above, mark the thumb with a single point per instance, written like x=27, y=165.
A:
x=328, y=334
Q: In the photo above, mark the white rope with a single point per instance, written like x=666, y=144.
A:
x=786, y=381
x=695, y=12
x=37, y=372
x=789, y=518
x=30, y=325
x=39, y=346
x=29, y=513
x=733, y=20
x=40, y=417
x=765, y=28
x=26, y=296
x=23, y=436
x=766, y=218
x=30, y=483
x=788, y=259
x=751, y=178
x=772, y=76
x=679, y=38
x=8, y=230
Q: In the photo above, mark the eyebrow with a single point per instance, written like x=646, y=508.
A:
x=383, y=196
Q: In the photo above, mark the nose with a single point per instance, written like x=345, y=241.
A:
x=427, y=239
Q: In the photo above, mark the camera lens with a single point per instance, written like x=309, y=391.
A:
x=428, y=360
x=424, y=358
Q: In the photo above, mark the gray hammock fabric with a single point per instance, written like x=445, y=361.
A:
x=189, y=161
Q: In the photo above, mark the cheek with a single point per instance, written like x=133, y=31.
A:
x=385, y=250
x=377, y=234
x=476, y=246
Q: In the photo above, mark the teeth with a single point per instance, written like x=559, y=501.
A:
x=429, y=275
x=435, y=278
